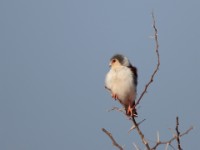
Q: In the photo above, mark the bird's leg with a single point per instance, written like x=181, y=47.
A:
x=131, y=110
x=114, y=96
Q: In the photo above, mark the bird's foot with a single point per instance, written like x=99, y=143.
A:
x=114, y=96
x=131, y=111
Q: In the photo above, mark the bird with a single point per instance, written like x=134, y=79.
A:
x=121, y=81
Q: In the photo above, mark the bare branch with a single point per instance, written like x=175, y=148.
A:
x=117, y=109
x=166, y=147
x=186, y=132
x=173, y=133
x=158, y=60
x=171, y=140
x=178, y=134
x=133, y=127
x=136, y=147
x=113, y=140
x=144, y=141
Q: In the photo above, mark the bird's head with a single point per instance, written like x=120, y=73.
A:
x=119, y=60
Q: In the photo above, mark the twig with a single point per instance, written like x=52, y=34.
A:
x=113, y=140
x=171, y=140
x=117, y=109
x=158, y=61
x=178, y=134
x=166, y=147
x=136, y=147
x=158, y=137
x=173, y=133
x=144, y=141
x=186, y=132
x=133, y=127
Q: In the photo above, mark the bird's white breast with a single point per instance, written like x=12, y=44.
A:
x=120, y=82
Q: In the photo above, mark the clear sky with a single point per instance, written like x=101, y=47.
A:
x=53, y=60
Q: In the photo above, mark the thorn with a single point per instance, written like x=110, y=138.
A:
x=158, y=136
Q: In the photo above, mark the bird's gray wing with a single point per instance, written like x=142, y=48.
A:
x=135, y=75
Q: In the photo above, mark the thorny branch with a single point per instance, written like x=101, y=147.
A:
x=113, y=140
x=133, y=127
x=172, y=139
x=144, y=141
x=158, y=61
x=178, y=134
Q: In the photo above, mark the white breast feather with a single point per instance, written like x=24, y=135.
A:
x=120, y=82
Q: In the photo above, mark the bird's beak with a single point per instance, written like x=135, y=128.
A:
x=110, y=64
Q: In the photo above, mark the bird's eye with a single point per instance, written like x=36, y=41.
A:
x=114, y=60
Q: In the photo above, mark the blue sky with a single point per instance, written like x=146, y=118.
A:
x=54, y=56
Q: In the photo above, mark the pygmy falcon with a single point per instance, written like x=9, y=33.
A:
x=121, y=82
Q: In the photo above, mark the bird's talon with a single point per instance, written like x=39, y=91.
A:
x=131, y=111
x=114, y=96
